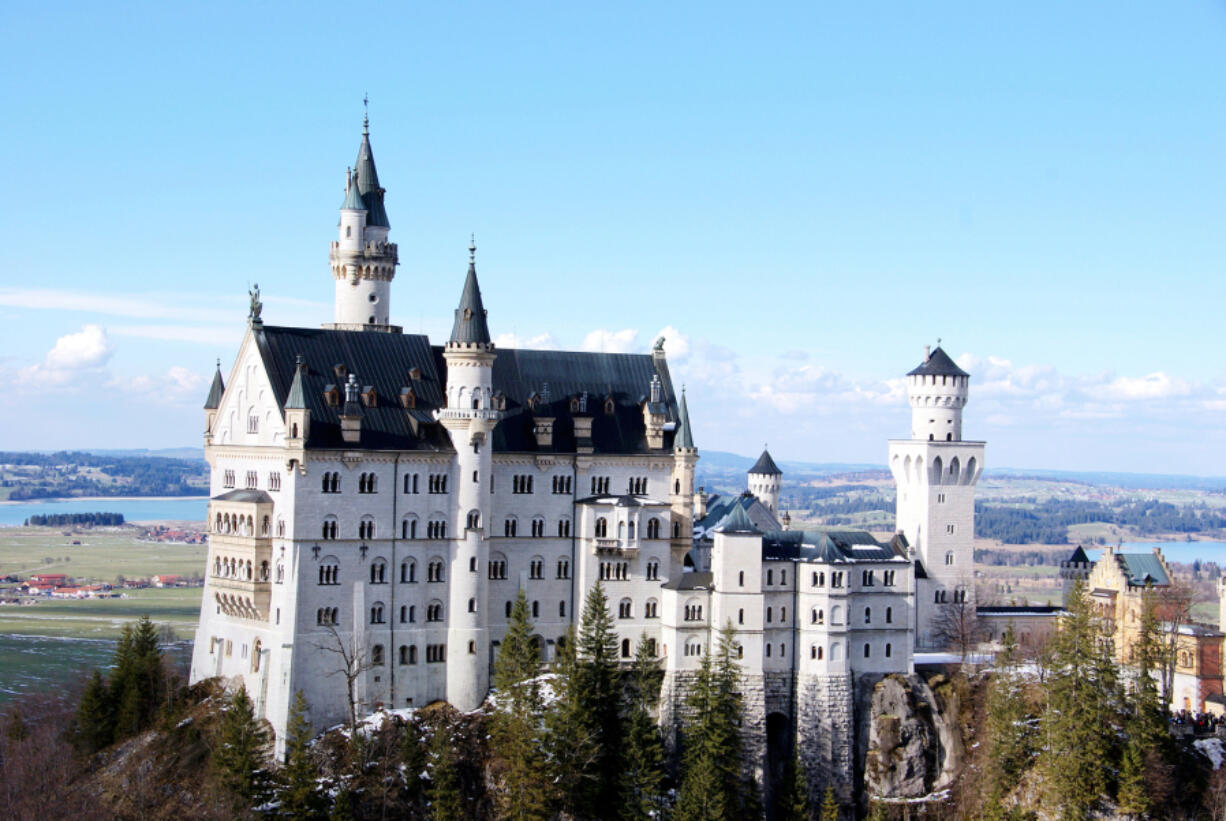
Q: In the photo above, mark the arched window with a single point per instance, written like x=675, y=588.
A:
x=376, y=613
x=474, y=520
x=888, y=650
x=434, y=611
x=653, y=528
x=889, y=615
x=868, y=650
x=651, y=609
x=329, y=528
x=949, y=557
x=624, y=609
x=602, y=528
x=868, y=615
x=378, y=572
x=376, y=655
x=536, y=609
x=561, y=609
x=434, y=571
x=329, y=571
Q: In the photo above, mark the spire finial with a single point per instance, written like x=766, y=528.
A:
x=219, y=363
x=472, y=249
x=365, y=115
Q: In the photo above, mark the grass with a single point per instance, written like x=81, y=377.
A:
x=178, y=608
x=104, y=554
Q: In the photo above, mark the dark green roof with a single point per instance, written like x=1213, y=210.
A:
x=938, y=363
x=766, y=466
x=1143, y=568
x=684, y=437
x=353, y=200
x=368, y=183
x=470, y=325
x=737, y=521
x=216, y=391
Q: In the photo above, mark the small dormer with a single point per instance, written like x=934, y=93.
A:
x=610, y=405
x=297, y=416
x=499, y=401
x=332, y=395
x=415, y=374
x=370, y=397
x=408, y=398
x=340, y=371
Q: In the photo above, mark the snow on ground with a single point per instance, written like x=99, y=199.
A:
x=1211, y=748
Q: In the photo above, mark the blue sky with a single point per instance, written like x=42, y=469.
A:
x=803, y=195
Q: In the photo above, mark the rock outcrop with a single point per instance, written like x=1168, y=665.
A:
x=910, y=736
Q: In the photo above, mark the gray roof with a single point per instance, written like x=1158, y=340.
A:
x=368, y=182
x=244, y=495
x=737, y=521
x=684, y=437
x=766, y=465
x=1079, y=556
x=470, y=325
x=690, y=581
x=295, y=399
x=384, y=362
x=216, y=391
x=720, y=507
x=829, y=546
x=353, y=200
x=1018, y=610
x=938, y=363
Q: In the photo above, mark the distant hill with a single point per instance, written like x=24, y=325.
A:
x=196, y=454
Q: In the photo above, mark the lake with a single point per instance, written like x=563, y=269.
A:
x=134, y=509
x=1183, y=552
x=33, y=662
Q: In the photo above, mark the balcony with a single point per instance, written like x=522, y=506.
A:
x=617, y=547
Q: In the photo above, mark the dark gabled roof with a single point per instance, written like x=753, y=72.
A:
x=384, y=361
x=938, y=363
x=1079, y=556
x=719, y=508
x=766, y=465
x=470, y=323
x=690, y=581
x=368, y=181
x=244, y=495
x=827, y=546
x=216, y=391
x=684, y=437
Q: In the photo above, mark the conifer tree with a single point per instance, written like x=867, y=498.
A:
x=598, y=687
x=517, y=725
x=1009, y=740
x=793, y=800
x=299, y=794
x=1144, y=765
x=571, y=738
x=642, y=776
x=93, y=725
x=713, y=786
x=238, y=759
x=444, y=793
x=1078, y=753
x=830, y=805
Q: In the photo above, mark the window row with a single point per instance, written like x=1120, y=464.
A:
x=636, y=485
x=625, y=530
x=252, y=480
x=238, y=525
x=562, y=484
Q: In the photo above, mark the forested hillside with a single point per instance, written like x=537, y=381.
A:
x=77, y=473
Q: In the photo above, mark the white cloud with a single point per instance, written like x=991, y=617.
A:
x=611, y=341
x=170, y=388
x=540, y=342
x=1156, y=385
x=88, y=348
x=142, y=306
x=204, y=334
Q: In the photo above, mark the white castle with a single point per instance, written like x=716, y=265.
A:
x=377, y=502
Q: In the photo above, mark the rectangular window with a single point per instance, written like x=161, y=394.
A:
x=274, y=481
x=253, y=424
x=949, y=529
x=227, y=479
x=253, y=480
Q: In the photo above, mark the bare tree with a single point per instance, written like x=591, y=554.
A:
x=956, y=623
x=1173, y=609
x=352, y=660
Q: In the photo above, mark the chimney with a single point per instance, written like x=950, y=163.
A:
x=700, y=504
x=351, y=413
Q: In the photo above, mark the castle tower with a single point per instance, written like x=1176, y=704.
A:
x=1075, y=568
x=469, y=417
x=211, y=404
x=765, y=479
x=685, y=458
x=935, y=472
x=363, y=261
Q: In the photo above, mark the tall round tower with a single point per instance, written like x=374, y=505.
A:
x=765, y=480
x=937, y=391
x=363, y=261
x=469, y=418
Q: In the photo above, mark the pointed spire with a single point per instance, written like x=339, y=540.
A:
x=765, y=466
x=216, y=391
x=685, y=436
x=353, y=200
x=296, y=399
x=470, y=325
x=368, y=180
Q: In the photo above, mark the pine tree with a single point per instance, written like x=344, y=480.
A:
x=1144, y=766
x=299, y=794
x=1078, y=753
x=444, y=793
x=571, y=737
x=517, y=725
x=793, y=801
x=1009, y=739
x=128, y=712
x=713, y=785
x=642, y=776
x=93, y=726
x=238, y=759
x=598, y=687
x=830, y=805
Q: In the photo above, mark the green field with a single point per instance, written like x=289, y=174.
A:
x=104, y=554
x=177, y=608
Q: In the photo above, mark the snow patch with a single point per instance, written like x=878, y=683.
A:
x=1211, y=748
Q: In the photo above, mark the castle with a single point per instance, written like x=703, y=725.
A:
x=377, y=502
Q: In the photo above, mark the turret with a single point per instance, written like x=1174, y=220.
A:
x=212, y=403
x=363, y=261
x=685, y=459
x=765, y=480
x=297, y=415
x=469, y=418
x=937, y=391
